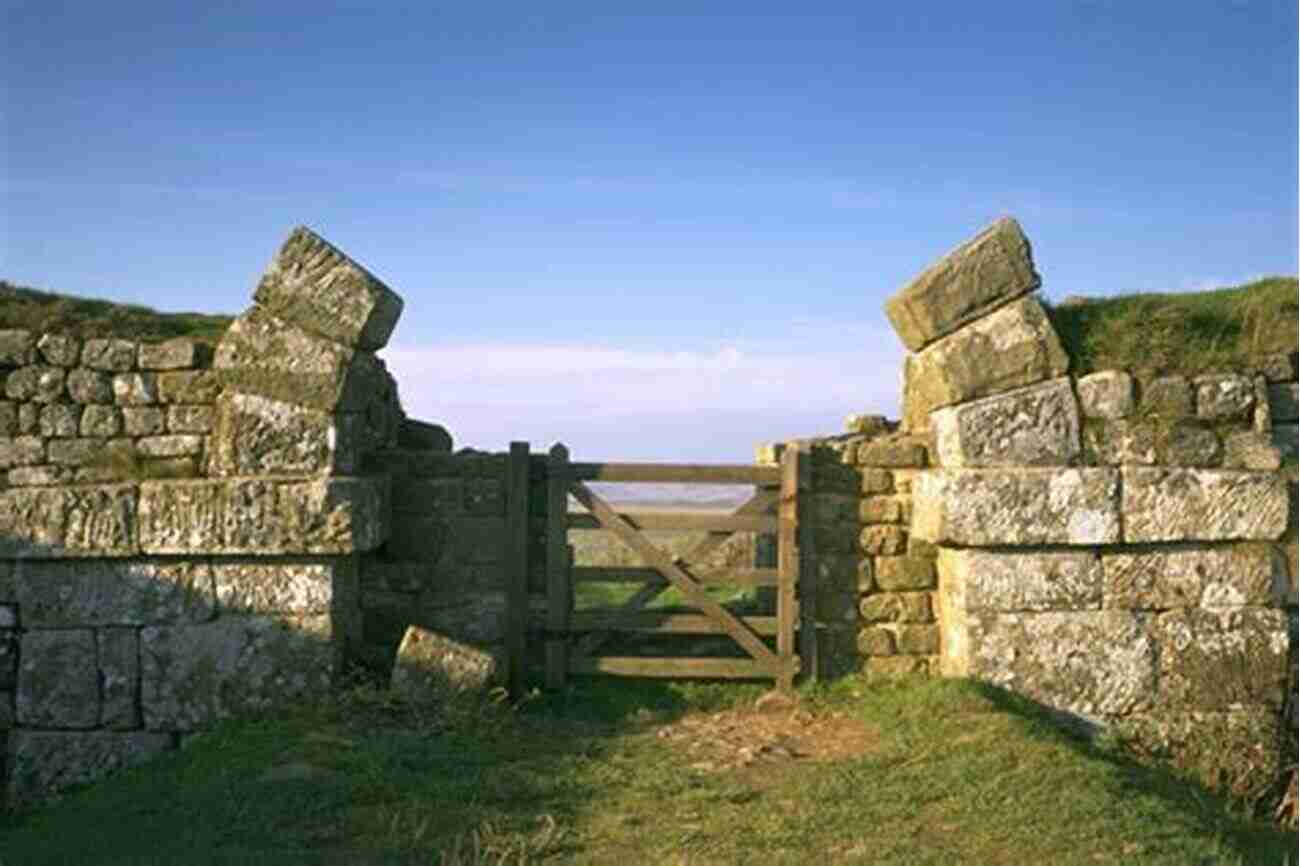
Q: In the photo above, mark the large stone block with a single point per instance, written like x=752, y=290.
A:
x=1210, y=577
x=37, y=384
x=263, y=516
x=1202, y=505
x=991, y=507
x=1033, y=426
x=1108, y=394
x=195, y=675
x=90, y=592
x=313, y=284
x=58, y=679
x=44, y=762
x=1216, y=660
x=985, y=581
x=982, y=274
x=1092, y=664
x=261, y=354
x=1012, y=347
x=432, y=665
x=119, y=677
x=293, y=587
x=176, y=354
x=256, y=435
x=81, y=521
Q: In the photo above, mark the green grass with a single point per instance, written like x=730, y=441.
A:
x=35, y=310
x=1228, y=329
x=951, y=772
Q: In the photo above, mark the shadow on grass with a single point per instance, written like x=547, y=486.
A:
x=1252, y=837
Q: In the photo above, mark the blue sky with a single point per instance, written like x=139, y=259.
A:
x=647, y=230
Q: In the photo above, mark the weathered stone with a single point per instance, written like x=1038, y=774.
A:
x=45, y=522
x=101, y=421
x=67, y=593
x=868, y=425
x=16, y=348
x=1284, y=402
x=37, y=384
x=1033, y=426
x=1217, y=659
x=59, y=350
x=188, y=386
x=895, y=666
x=21, y=451
x=913, y=607
x=880, y=509
x=28, y=418
x=876, y=481
x=1202, y=505
x=8, y=418
x=45, y=762
x=89, y=386
x=1186, y=444
x=195, y=675
x=1278, y=366
x=313, y=284
x=1013, y=347
x=880, y=540
x=298, y=588
x=1262, y=415
x=431, y=665
x=135, y=389
x=987, y=507
x=60, y=419
x=917, y=640
x=1108, y=394
x=190, y=419
x=1286, y=438
x=980, y=581
x=895, y=573
x=329, y=515
x=176, y=354
x=876, y=641
x=1221, y=397
x=31, y=476
x=170, y=446
x=1122, y=441
x=866, y=574
x=119, y=677
x=143, y=420
x=1168, y=397
x=418, y=435
x=769, y=455
x=111, y=354
x=1251, y=450
x=1210, y=577
x=1233, y=747
x=979, y=276
x=58, y=680
x=75, y=452
x=259, y=436
x=893, y=452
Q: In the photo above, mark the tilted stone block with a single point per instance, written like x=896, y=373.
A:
x=195, y=675
x=430, y=665
x=1012, y=347
x=82, y=521
x=109, y=354
x=257, y=435
x=329, y=515
x=989, y=507
x=985, y=581
x=59, y=350
x=1108, y=394
x=58, y=679
x=45, y=762
x=16, y=348
x=313, y=284
x=68, y=593
x=1202, y=505
x=1033, y=426
x=1218, y=659
x=177, y=354
x=982, y=274
x=1210, y=577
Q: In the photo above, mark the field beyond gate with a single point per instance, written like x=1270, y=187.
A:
x=575, y=641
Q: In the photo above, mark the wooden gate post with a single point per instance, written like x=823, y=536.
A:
x=516, y=567
x=787, y=567
x=559, y=594
x=806, y=545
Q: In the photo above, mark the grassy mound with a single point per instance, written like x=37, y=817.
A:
x=1230, y=329
x=35, y=310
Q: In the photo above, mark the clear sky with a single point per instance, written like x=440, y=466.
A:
x=651, y=231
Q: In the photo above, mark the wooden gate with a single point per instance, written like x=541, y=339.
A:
x=570, y=640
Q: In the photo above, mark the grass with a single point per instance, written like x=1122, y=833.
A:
x=45, y=312
x=1228, y=329
x=939, y=772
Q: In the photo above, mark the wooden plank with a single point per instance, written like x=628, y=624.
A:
x=687, y=473
x=695, y=595
x=516, y=566
x=807, y=574
x=664, y=520
x=634, y=574
x=787, y=559
x=559, y=595
x=656, y=621
x=673, y=668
